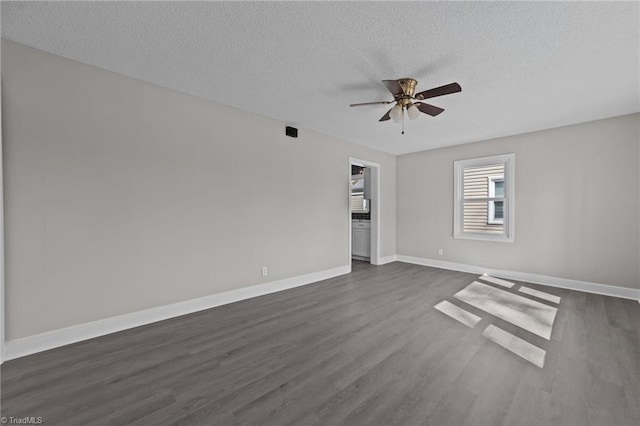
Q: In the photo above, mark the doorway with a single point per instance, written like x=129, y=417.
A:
x=364, y=211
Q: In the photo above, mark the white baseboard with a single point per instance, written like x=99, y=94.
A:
x=52, y=339
x=587, y=287
x=383, y=260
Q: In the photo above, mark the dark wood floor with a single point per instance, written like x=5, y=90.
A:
x=366, y=348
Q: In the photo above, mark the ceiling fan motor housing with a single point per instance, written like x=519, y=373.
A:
x=408, y=85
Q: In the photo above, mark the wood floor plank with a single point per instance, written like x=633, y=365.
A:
x=366, y=348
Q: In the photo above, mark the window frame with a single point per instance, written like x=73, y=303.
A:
x=491, y=205
x=508, y=234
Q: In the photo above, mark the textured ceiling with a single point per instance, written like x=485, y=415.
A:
x=523, y=66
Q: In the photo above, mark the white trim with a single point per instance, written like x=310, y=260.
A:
x=584, y=286
x=509, y=227
x=483, y=237
x=386, y=259
x=65, y=336
x=491, y=204
x=375, y=207
x=2, y=305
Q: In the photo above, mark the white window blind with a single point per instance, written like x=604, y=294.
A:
x=358, y=204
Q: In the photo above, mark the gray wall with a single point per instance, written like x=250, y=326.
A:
x=122, y=196
x=576, y=205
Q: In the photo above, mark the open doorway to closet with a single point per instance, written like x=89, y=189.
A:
x=364, y=210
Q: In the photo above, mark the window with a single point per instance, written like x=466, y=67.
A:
x=358, y=203
x=484, y=198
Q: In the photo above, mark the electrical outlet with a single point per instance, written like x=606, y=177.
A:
x=265, y=272
x=440, y=252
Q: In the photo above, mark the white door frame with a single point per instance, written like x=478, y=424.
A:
x=2, y=307
x=375, y=207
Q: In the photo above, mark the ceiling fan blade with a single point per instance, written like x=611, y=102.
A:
x=429, y=109
x=439, y=91
x=394, y=87
x=372, y=103
x=386, y=116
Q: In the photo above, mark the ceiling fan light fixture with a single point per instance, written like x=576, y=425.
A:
x=413, y=112
x=396, y=113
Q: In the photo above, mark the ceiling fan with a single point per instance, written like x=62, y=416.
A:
x=403, y=94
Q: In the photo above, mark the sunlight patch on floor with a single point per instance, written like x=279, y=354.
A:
x=494, y=280
x=540, y=294
x=458, y=314
x=511, y=306
x=523, y=312
x=518, y=346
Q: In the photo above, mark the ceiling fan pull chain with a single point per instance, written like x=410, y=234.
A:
x=403, y=121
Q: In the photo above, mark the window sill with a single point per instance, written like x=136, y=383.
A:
x=490, y=238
